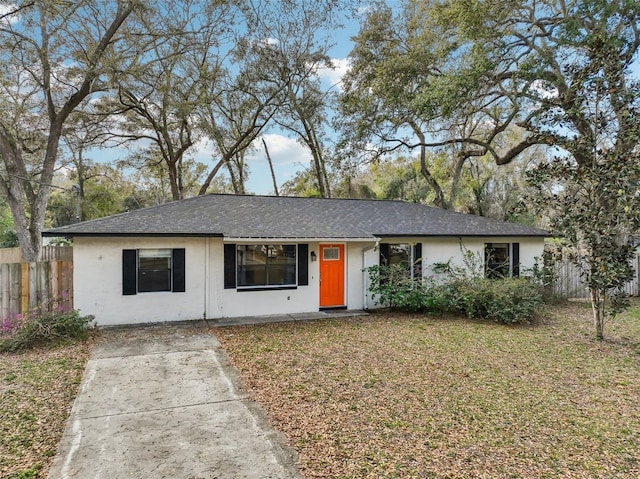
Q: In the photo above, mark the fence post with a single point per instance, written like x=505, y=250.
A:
x=33, y=286
x=5, y=299
x=54, y=281
x=637, y=289
x=15, y=287
x=24, y=287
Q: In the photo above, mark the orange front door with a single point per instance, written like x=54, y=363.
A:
x=331, y=275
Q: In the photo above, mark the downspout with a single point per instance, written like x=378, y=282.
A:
x=206, y=277
x=364, y=274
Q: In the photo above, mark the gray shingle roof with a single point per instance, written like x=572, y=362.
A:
x=291, y=217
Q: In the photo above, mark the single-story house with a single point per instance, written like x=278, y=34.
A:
x=218, y=256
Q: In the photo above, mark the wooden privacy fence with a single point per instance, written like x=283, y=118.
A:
x=43, y=285
x=569, y=284
x=49, y=253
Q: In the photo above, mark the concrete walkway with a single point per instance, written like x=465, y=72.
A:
x=163, y=402
x=280, y=318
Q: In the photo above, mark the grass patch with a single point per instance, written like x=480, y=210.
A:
x=409, y=396
x=37, y=389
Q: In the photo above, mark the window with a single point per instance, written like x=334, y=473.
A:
x=402, y=254
x=399, y=254
x=330, y=254
x=502, y=260
x=266, y=265
x=149, y=270
x=154, y=270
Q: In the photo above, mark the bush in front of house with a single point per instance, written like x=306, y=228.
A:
x=37, y=327
x=504, y=300
x=391, y=286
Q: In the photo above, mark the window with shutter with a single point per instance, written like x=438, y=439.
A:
x=502, y=260
x=152, y=270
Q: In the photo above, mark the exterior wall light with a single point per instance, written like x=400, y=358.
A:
x=313, y=256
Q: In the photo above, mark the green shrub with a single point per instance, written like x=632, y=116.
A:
x=38, y=327
x=391, y=286
x=438, y=298
x=505, y=300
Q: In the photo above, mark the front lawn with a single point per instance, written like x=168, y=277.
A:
x=407, y=396
x=37, y=389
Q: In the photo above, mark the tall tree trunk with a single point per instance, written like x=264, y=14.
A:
x=273, y=174
x=238, y=160
x=318, y=170
x=312, y=142
x=28, y=205
x=81, y=171
x=176, y=194
x=598, y=306
x=323, y=164
x=439, y=200
x=234, y=180
x=207, y=182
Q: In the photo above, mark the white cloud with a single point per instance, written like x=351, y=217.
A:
x=266, y=42
x=364, y=10
x=544, y=89
x=6, y=8
x=334, y=75
x=283, y=150
x=202, y=150
x=288, y=157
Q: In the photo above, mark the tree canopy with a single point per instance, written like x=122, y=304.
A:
x=458, y=75
x=55, y=55
x=163, y=74
x=462, y=76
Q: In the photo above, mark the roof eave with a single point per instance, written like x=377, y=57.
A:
x=71, y=234
x=314, y=239
x=466, y=235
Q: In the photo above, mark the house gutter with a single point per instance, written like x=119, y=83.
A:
x=206, y=275
x=296, y=239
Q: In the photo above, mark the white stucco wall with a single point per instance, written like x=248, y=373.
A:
x=356, y=277
x=97, y=279
x=98, y=284
x=231, y=303
x=441, y=250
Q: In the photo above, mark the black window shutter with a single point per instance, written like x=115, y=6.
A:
x=417, y=260
x=515, y=259
x=178, y=270
x=384, y=254
x=303, y=264
x=229, y=266
x=129, y=271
